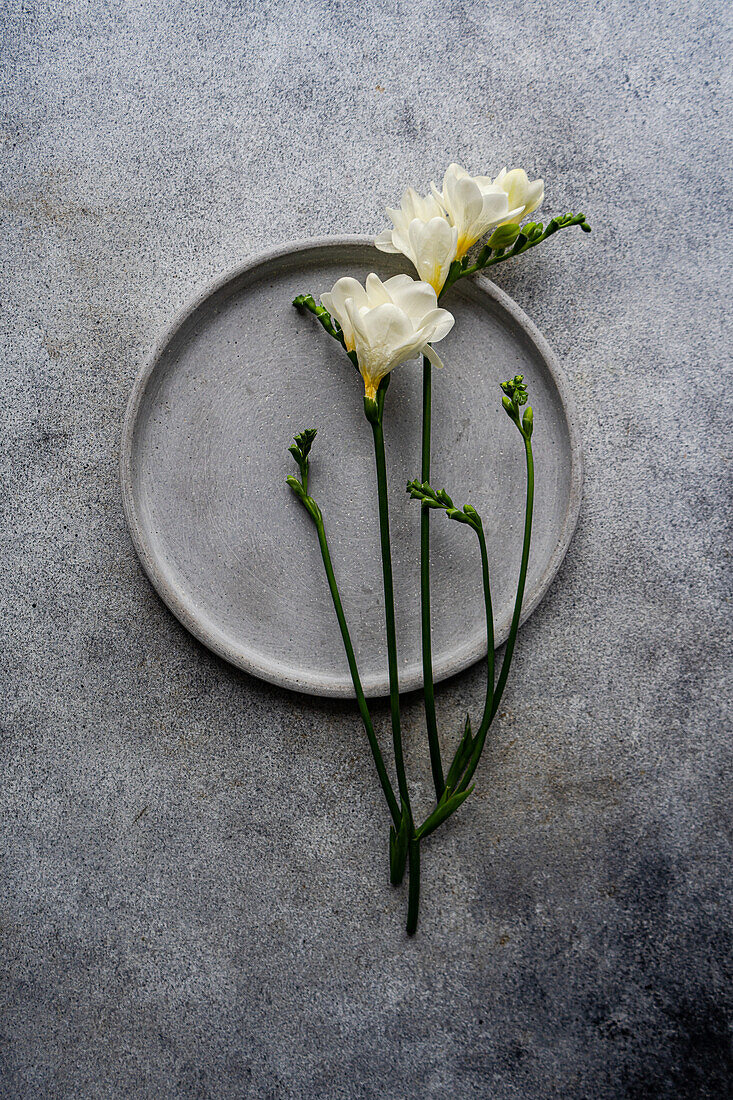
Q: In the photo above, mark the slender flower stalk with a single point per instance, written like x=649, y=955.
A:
x=413, y=895
x=431, y=721
x=356, y=680
x=493, y=706
x=490, y=650
x=374, y=411
x=470, y=749
x=300, y=449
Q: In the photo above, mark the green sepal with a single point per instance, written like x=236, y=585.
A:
x=398, y=845
x=483, y=256
x=304, y=442
x=455, y=271
x=296, y=486
x=441, y=812
x=460, y=760
x=504, y=236
x=514, y=395
x=308, y=502
x=458, y=515
x=431, y=498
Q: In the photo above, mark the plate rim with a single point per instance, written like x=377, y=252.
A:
x=278, y=673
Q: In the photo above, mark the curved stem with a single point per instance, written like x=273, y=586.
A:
x=363, y=709
x=506, y=663
x=500, y=255
x=394, y=690
x=427, y=650
x=489, y=713
x=490, y=652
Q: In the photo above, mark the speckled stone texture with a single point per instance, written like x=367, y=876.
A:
x=193, y=893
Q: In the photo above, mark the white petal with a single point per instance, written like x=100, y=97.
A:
x=516, y=185
x=495, y=207
x=453, y=173
x=434, y=245
x=376, y=292
x=437, y=324
x=348, y=288
x=535, y=196
x=342, y=316
x=416, y=299
x=395, y=284
x=384, y=242
x=468, y=204
x=401, y=242
x=354, y=320
x=383, y=338
x=432, y=355
x=437, y=195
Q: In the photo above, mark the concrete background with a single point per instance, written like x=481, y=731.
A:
x=193, y=890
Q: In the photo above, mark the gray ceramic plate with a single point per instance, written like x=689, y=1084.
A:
x=233, y=553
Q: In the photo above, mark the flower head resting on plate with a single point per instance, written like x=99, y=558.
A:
x=387, y=323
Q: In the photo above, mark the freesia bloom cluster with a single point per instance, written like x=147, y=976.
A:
x=440, y=228
x=388, y=323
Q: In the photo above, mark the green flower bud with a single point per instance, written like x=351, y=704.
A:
x=504, y=235
x=527, y=421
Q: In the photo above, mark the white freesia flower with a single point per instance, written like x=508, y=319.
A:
x=423, y=234
x=387, y=323
x=474, y=205
x=520, y=192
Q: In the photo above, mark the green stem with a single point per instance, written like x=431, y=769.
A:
x=394, y=691
x=490, y=652
x=363, y=709
x=552, y=227
x=491, y=710
x=413, y=897
x=501, y=684
x=427, y=651
x=394, y=688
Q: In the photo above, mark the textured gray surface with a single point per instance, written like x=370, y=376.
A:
x=235, y=556
x=193, y=892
